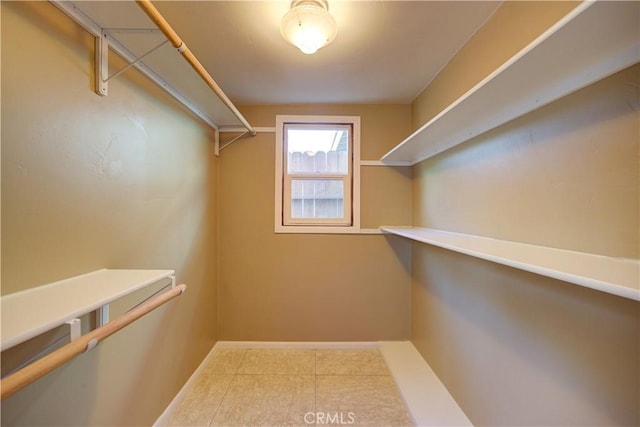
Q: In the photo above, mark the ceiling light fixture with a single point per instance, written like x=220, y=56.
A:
x=309, y=25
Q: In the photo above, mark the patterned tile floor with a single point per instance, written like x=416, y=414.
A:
x=284, y=387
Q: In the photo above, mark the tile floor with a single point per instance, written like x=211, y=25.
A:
x=285, y=387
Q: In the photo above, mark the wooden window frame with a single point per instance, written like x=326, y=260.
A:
x=350, y=222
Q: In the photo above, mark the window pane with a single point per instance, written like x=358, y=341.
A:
x=314, y=150
x=317, y=198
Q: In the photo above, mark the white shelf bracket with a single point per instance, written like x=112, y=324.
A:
x=134, y=62
x=102, y=315
x=242, y=135
x=75, y=329
x=102, y=64
x=216, y=149
x=91, y=345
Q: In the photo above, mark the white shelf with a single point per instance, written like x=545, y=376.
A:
x=131, y=33
x=617, y=276
x=592, y=42
x=29, y=313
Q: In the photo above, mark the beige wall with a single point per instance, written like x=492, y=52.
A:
x=284, y=287
x=515, y=348
x=518, y=349
x=89, y=182
x=564, y=176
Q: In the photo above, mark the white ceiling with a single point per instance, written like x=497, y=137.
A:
x=385, y=51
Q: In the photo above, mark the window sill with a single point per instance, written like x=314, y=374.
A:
x=325, y=230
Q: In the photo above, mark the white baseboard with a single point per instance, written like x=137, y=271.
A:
x=427, y=399
x=163, y=419
x=297, y=345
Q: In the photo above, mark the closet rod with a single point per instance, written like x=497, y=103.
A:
x=48, y=363
x=177, y=42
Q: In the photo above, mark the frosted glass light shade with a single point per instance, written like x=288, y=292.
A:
x=309, y=25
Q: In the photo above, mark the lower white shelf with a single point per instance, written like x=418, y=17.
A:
x=617, y=276
x=29, y=313
x=425, y=396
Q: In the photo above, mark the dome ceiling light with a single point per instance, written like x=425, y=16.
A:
x=309, y=25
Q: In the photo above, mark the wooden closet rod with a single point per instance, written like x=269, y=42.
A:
x=177, y=42
x=48, y=363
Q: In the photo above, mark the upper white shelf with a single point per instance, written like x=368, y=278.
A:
x=131, y=34
x=617, y=276
x=29, y=313
x=592, y=42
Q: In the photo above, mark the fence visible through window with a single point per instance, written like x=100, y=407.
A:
x=318, y=163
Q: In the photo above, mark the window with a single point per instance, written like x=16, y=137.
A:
x=317, y=174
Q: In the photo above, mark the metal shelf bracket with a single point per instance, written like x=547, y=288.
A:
x=102, y=64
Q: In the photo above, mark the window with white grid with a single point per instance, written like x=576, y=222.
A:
x=317, y=176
